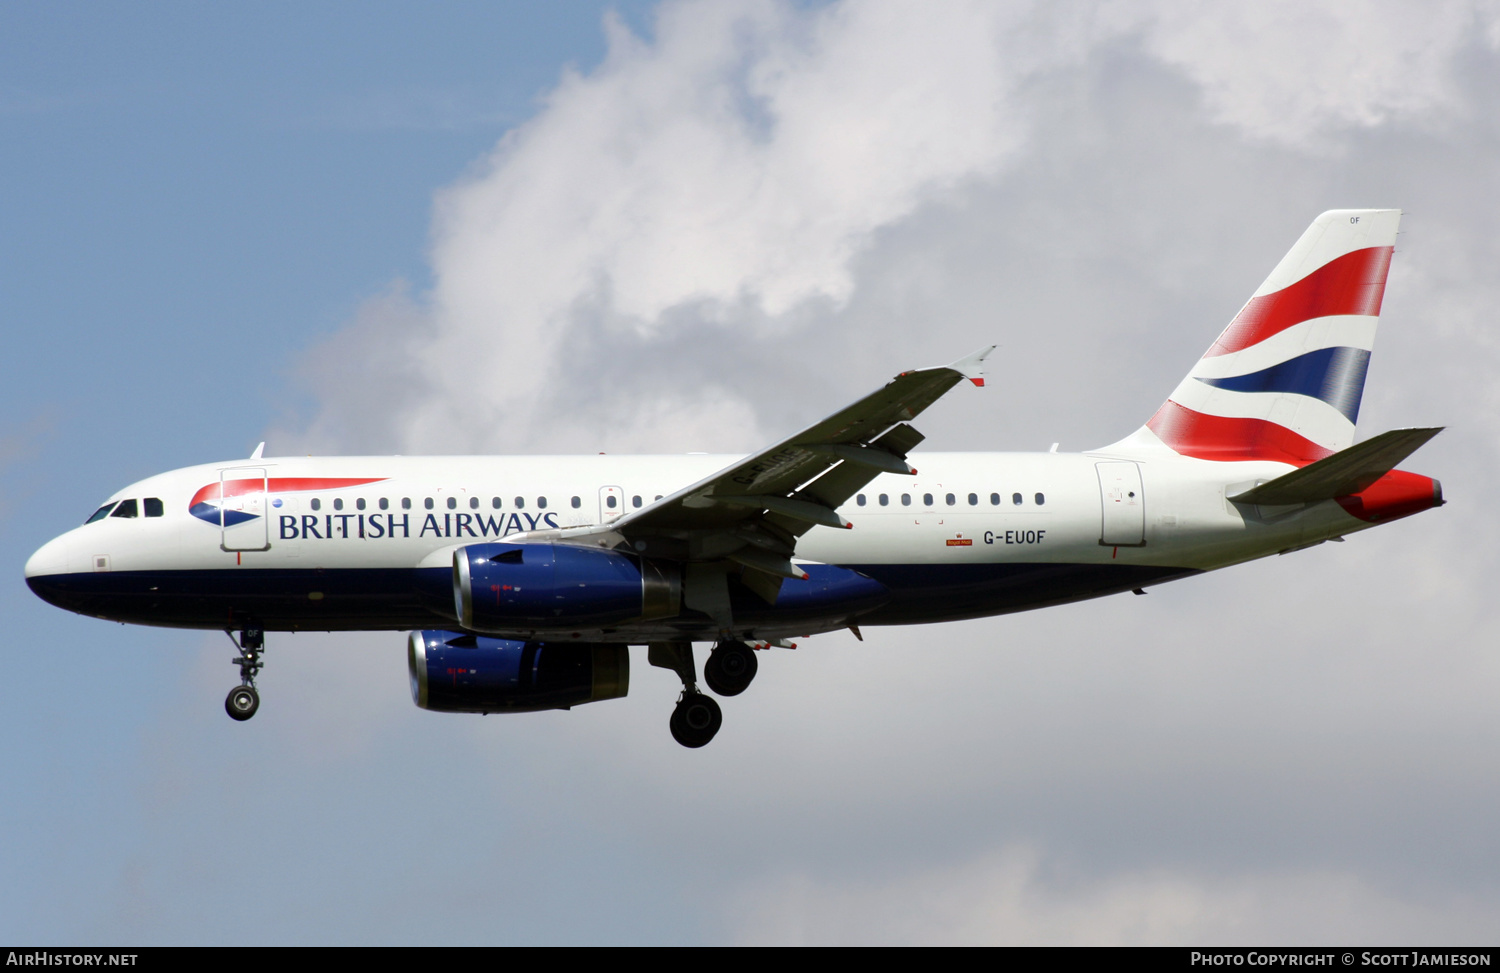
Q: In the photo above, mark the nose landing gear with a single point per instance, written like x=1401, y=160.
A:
x=243, y=700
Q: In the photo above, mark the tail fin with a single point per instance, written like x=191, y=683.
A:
x=1284, y=380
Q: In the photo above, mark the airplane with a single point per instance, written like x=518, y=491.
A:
x=524, y=580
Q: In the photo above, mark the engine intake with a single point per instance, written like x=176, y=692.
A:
x=456, y=673
x=510, y=588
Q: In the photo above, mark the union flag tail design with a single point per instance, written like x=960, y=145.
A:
x=1284, y=380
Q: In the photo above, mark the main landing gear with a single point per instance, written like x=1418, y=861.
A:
x=728, y=671
x=243, y=700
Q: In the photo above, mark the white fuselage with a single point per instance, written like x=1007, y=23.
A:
x=1001, y=524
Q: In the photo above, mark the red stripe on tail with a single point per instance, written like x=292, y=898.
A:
x=1228, y=440
x=1351, y=284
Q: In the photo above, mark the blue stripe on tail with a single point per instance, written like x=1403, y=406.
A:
x=1335, y=375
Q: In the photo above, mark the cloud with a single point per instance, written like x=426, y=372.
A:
x=1015, y=897
x=741, y=222
x=1300, y=73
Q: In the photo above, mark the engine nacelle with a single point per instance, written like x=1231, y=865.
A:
x=506, y=588
x=456, y=673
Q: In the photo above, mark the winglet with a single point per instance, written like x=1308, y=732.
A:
x=972, y=366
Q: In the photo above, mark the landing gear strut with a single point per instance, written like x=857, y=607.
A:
x=697, y=716
x=243, y=700
x=729, y=668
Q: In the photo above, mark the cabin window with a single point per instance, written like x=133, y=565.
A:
x=495, y=502
x=385, y=504
x=101, y=513
x=452, y=503
x=926, y=499
x=860, y=499
x=951, y=499
x=127, y=508
x=658, y=496
x=884, y=500
x=1015, y=498
x=338, y=503
x=359, y=504
x=906, y=499
x=635, y=501
x=576, y=503
x=994, y=500
x=973, y=499
x=406, y=503
x=473, y=503
x=315, y=503
x=541, y=503
x=609, y=502
x=520, y=503
x=427, y=502
x=1041, y=499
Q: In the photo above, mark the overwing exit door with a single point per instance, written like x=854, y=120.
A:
x=611, y=503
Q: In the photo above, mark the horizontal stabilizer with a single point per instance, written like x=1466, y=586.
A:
x=1346, y=472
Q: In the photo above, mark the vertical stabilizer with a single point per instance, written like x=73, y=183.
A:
x=1284, y=380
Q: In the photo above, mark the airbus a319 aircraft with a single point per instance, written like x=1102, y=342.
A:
x=525, y=579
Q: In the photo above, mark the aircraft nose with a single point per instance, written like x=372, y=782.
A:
x=51, y=558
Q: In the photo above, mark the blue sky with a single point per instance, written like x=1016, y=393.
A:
x=482, y=228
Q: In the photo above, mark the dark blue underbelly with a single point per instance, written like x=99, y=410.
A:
x=373, y=599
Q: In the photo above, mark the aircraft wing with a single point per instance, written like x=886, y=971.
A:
x=753, y=512
x=787, y=479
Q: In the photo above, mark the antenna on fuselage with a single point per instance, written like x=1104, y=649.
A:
x=258, y=450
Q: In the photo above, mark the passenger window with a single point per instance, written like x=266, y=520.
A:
x=860, y=499
x=658, y=496
x=495, y=502
x=541, y=503
x=101, y=513
x=153, y=506
x=609, y=502
x=452, y=503
x=520, y=503
x=926, y=499
x=427, y=502
x=906, y=499
x=635, y=501
x=127, y=508
x=406, y=503
x=384, y=504
x=315, y=503
x=884, y=500
x=994, y=500
x=359, y=504
x=338, y=503
x=951, y=499
x=1015, y=498
x=973, y=499
x=576, y=503
x=473, y=503
x=1040, y=499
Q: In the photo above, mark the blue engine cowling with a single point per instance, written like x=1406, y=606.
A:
x=456, y=673
x=509, y=588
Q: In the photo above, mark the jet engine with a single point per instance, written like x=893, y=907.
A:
x=505, y=588
x=456, y=673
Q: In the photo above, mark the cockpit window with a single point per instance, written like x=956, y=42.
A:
x=127, y=508
x=153, y=506
x=101, y=513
